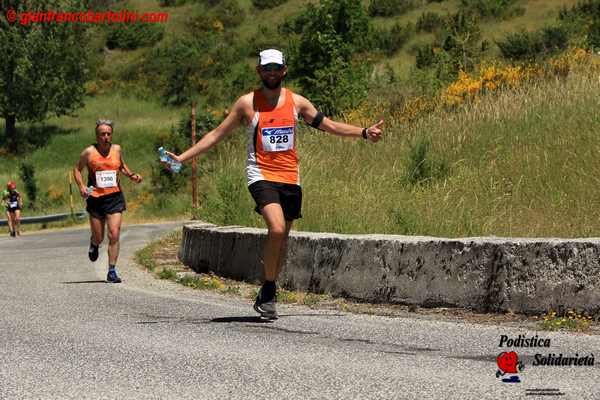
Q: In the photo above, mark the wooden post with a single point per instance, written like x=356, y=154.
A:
x=194, y=164
x=71, y=193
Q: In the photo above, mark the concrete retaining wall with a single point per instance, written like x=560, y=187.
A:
x=485, y=274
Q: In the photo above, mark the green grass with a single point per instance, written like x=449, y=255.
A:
x=199, y=282
x=167, y=274
x=569, y=321
x=145, y=256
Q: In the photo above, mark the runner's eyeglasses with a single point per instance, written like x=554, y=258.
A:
x=272, y=67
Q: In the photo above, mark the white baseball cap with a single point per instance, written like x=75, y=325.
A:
x=271, y=56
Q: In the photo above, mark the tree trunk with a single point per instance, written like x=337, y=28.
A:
x=11, y=133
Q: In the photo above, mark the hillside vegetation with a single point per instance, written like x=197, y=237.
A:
x=490, y=110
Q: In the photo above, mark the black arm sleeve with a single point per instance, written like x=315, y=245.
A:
x=317, y=120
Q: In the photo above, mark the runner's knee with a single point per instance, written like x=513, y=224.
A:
x=277, y=231
x=113, y=235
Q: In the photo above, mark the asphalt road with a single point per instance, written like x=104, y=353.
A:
x=66, y=334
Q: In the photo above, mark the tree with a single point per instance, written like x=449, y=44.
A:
x=43, y=68
x=463, y=38
x=331, y=34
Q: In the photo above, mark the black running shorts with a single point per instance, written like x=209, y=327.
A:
x=287, y=195
x=99, y=207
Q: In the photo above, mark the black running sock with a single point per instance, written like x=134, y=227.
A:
x=111, y=267
x=269, y=289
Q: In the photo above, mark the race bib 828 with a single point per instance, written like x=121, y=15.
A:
x=277, y=138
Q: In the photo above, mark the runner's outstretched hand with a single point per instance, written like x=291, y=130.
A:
x=173, y=156
x=374, y=132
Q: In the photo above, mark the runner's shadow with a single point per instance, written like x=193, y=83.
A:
x=73, y=282
x=259, y=320
x=256, y=320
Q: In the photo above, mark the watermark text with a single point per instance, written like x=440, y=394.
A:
x=85, y=17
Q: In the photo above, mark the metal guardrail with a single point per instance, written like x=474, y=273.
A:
x=47, y=218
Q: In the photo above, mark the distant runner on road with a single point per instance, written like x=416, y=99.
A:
x=270, y=115
x=105, y=200
x=13, y=201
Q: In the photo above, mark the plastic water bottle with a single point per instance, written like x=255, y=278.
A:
x=164, y=157
x=89, y=190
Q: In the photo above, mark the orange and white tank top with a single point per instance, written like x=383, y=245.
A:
x=103, y=172
x=272, y=140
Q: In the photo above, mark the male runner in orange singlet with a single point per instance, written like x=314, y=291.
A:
x=106, y=202
x=271, y=115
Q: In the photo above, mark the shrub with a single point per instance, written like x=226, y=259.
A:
x=555, y=38
x=264, y=4
x=97, y=4
x=588, y=10
x=205, y=122
x=521, y=46
x=392, y=40
x=242, y=78
x=581, y=20
x=230, y=13
x=425, y=56
x=425, y=82
x=174, y=70
x=457, y=47
x=435, y=65
x=209, y=3
x=389, y=8
x=593, y=37
x=421, y=166
x=492, y=8
x=339, y=86
x=230, y=189
x=27, y=174
x=132, y=36
x=162, y=180
x=404, y=222
x=265, y=37
x=167, y=273
x=334, y=33
x=429, y=21
x=186, y=67
x=462, y=41
x=295, y=24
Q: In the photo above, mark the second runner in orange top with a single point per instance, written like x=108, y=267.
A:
x=103, y=172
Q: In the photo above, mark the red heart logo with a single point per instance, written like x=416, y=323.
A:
x=507, y=362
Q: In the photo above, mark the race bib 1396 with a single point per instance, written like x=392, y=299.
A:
x=106, y=179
